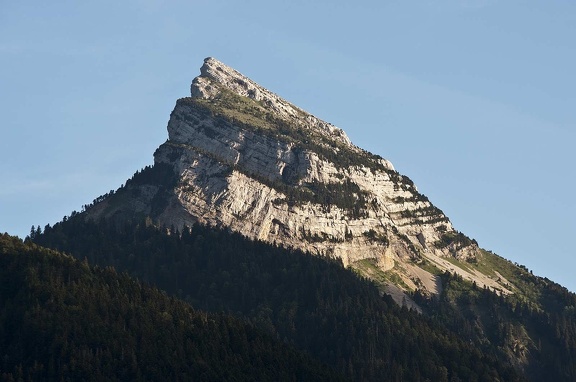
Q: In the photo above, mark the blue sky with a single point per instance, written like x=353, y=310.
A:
x=473, y=100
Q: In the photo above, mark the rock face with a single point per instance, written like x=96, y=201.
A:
x=244, y=158
x=214, y=75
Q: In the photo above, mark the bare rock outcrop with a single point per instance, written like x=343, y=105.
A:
x=250, y=161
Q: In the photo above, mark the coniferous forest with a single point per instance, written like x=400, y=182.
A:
x=63, y=320
x=311, y=303
x=131, y=301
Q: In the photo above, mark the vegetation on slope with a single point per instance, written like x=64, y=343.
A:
x=63, y=320
x=310, y=302
x=541, y=340
x=230, y=108
x=538, y=293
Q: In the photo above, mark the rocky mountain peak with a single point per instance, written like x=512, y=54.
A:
x=241, y=157
x=216, y=77
x=215, y=74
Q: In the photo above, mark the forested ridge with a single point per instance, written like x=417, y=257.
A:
x=312, y=303
x=540, y=339
x=63, y=320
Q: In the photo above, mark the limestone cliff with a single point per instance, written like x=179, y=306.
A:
x=241, y=157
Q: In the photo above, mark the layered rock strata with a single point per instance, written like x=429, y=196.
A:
x=245, y=159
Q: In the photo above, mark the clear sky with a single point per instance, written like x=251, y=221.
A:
x=473, y=100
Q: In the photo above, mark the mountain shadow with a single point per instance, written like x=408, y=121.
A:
x=310, y=302
x=63, y=320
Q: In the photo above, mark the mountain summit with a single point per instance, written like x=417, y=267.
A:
x=257, y=174
x=238, y=156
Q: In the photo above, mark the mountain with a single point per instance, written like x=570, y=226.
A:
x=247, y=186
x=239, y=156
x=309, y=302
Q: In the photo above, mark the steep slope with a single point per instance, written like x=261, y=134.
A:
x=242, y=159
x=310, y=302
x=239, y=156
x=63, y=320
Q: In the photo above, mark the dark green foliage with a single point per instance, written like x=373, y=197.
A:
x=159, y=174
x=422, y=215
x=346, y=195
x=545, y=340
x=62, y=320
x=304, y=300
x=374, y=236
x=458, y=239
